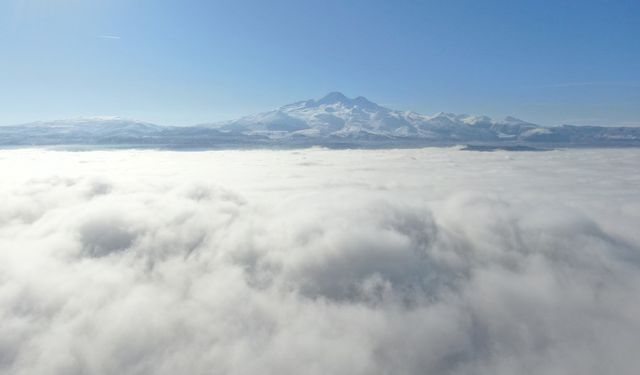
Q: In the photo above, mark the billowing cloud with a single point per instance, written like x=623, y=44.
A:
x=431, y=261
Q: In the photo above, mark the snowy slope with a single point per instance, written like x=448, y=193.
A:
x=335, y=115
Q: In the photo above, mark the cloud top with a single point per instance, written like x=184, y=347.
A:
x=318, y=261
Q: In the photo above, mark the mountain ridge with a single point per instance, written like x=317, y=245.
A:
x=334, y=119
x=337, y=116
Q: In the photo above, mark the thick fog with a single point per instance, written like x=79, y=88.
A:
x=433, y=261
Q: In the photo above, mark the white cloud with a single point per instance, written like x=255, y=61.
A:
x=318, y=261
x=113, y=37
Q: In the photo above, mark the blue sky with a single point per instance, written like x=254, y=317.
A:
x=180, y=62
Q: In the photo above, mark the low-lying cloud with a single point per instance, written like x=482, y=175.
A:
x=432, y=261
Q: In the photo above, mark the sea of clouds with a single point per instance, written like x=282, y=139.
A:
x=430, y=261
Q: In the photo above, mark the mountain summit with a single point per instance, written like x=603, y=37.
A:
x=333, y=98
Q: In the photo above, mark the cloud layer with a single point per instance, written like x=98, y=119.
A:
x=319, y=262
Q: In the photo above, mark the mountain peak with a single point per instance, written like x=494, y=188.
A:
x=333, y=97
x=340, y=98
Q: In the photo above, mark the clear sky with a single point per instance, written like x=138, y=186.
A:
x=180, y=62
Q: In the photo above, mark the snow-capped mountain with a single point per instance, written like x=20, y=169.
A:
x=334, y=120
x=337, y=116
